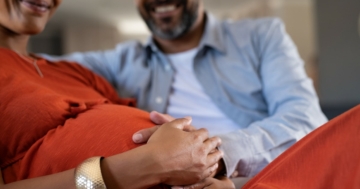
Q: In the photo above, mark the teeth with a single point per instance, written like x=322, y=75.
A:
x=164, y=9
x=41, y=5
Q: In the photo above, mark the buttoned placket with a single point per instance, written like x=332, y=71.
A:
x=162, y=81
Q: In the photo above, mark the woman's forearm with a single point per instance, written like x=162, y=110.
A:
x=55, y=181
x=132, y=169
x=135, y=169
x=171, y=156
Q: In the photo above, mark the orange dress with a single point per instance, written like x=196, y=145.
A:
x=51, y=124
x=328, y=158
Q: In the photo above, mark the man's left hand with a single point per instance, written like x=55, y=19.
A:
x=143, y=135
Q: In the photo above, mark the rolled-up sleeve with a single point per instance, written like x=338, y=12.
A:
x=293, y=106
x=106, y=63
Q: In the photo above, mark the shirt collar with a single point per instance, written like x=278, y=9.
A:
x=150, y=44
x=212, y=37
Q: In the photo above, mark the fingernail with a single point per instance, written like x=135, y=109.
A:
x=137, y=138
x=235, y=174
x=176, y=187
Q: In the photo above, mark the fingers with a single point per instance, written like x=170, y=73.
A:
x=189, y=127
x=203, y=135
x=214, y=158
x=212, y=143
x=209, y=172
x=215, y=155
x=159, y=118
x=143, y=135
x=179, y=123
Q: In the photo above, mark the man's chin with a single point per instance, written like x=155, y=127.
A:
x=166, y=35
x=166, y=32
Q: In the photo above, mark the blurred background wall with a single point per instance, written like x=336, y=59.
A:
x=326, y=33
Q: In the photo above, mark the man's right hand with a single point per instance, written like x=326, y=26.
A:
x=184, y=157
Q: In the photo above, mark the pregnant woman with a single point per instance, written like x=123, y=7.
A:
x=53, y=117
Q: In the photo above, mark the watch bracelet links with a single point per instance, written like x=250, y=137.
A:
x=88, y=174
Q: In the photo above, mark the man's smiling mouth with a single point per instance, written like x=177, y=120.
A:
x=163, y=7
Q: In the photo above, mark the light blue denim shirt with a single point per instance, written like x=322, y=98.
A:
x=250, y=69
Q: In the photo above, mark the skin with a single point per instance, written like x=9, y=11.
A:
x=220, y=182
x=190, y=165
x=171, y=156
x=18, y=23
x=187, y=41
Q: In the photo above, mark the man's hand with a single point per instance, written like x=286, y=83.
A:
x=143, y=135
x=211, y=183
x=184, y=157
x=159, y=118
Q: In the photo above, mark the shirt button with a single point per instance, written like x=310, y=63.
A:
x=158, y=100
x=167, y=68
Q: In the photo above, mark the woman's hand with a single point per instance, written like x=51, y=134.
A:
x=185, y=157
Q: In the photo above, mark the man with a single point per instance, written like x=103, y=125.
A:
x=243, y=81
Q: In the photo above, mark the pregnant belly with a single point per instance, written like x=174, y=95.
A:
x=104, y=130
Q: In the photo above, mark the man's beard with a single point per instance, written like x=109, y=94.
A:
x=188, y=18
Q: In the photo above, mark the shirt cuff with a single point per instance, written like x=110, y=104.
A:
x=238, y=153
